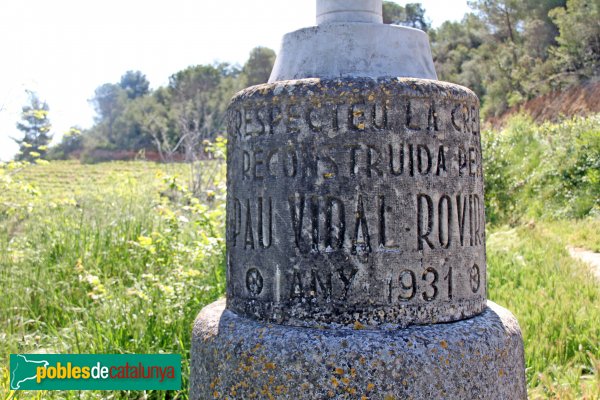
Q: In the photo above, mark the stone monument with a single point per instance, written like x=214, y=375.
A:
x=356, y=261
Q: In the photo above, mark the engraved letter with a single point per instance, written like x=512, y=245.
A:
x=361, y=228
x=444, y=224
x=237, y=221
x=410, y=120
x=400, y=163
x=314, y=207
x=297, y=217
x=246, y=165
x=258, y=162
x=461, y=212
x=383, y=113
x=312, y=120
x=249, y=235
x=373, y=159
x=332, y=229
x=290, y=170
x=261, y=241
x=423, y=237
x=441, y=161
x=317, y=282
x=432, y=119
x=356, y=117
x=423, y=149
x=347, y=280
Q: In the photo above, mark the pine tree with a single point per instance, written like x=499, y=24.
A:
x=35, y=127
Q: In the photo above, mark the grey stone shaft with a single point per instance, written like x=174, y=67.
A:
x=355, y=202
x=349, y=11
x=237, y=358
x=354, y=49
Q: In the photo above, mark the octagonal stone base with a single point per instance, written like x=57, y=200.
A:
x=237, y=358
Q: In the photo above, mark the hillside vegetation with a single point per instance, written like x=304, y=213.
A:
x=507, y=51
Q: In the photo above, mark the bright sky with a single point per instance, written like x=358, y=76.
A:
x=65, y=49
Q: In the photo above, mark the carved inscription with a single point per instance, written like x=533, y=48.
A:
x=316, y=283
x=475, y=278
x=394, y=160
x=254, y=281
x=416, y=115
x=346, y=200
x=362, y=224
x=418, y=283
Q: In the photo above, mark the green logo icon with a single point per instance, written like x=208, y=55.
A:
x=24, y=369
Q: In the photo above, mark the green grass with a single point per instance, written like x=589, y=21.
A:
x=556, y=300
x=119, y=258
x=107, y=258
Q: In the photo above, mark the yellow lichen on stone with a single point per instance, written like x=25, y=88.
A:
x=269, y=365
x=444, y=344
x=370, y=386
x=340, y=371
x=358, y=325
x=334, y=382
x=280, y=389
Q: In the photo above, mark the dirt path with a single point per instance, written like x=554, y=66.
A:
x=588, y=257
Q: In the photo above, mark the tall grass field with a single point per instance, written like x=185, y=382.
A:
x=120, y=257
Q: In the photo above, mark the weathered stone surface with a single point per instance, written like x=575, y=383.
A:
x=237, y=358
x=355, y=201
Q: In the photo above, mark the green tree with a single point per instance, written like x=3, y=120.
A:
x=577, y=56
x=415, y=17
x=35, y=127
x=259, y=66
x=502, y=17
x=456, y=48
x=118, y=123
x=412, y=15
x=152, y=116
x=393, y=13
x=70, y=144
x=199, y=97
x=135, y=84
x=108, y=102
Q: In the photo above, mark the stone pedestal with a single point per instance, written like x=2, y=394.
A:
x=356, y=260
x=237, y=358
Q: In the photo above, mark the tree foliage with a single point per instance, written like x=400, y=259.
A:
x=70, y=145
x=507, y=51
x=412, y=15
x=579, y=52
x=35, y=126
x=510, y=51
x=173, y=121
x=258, y=67
x=135, y=84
